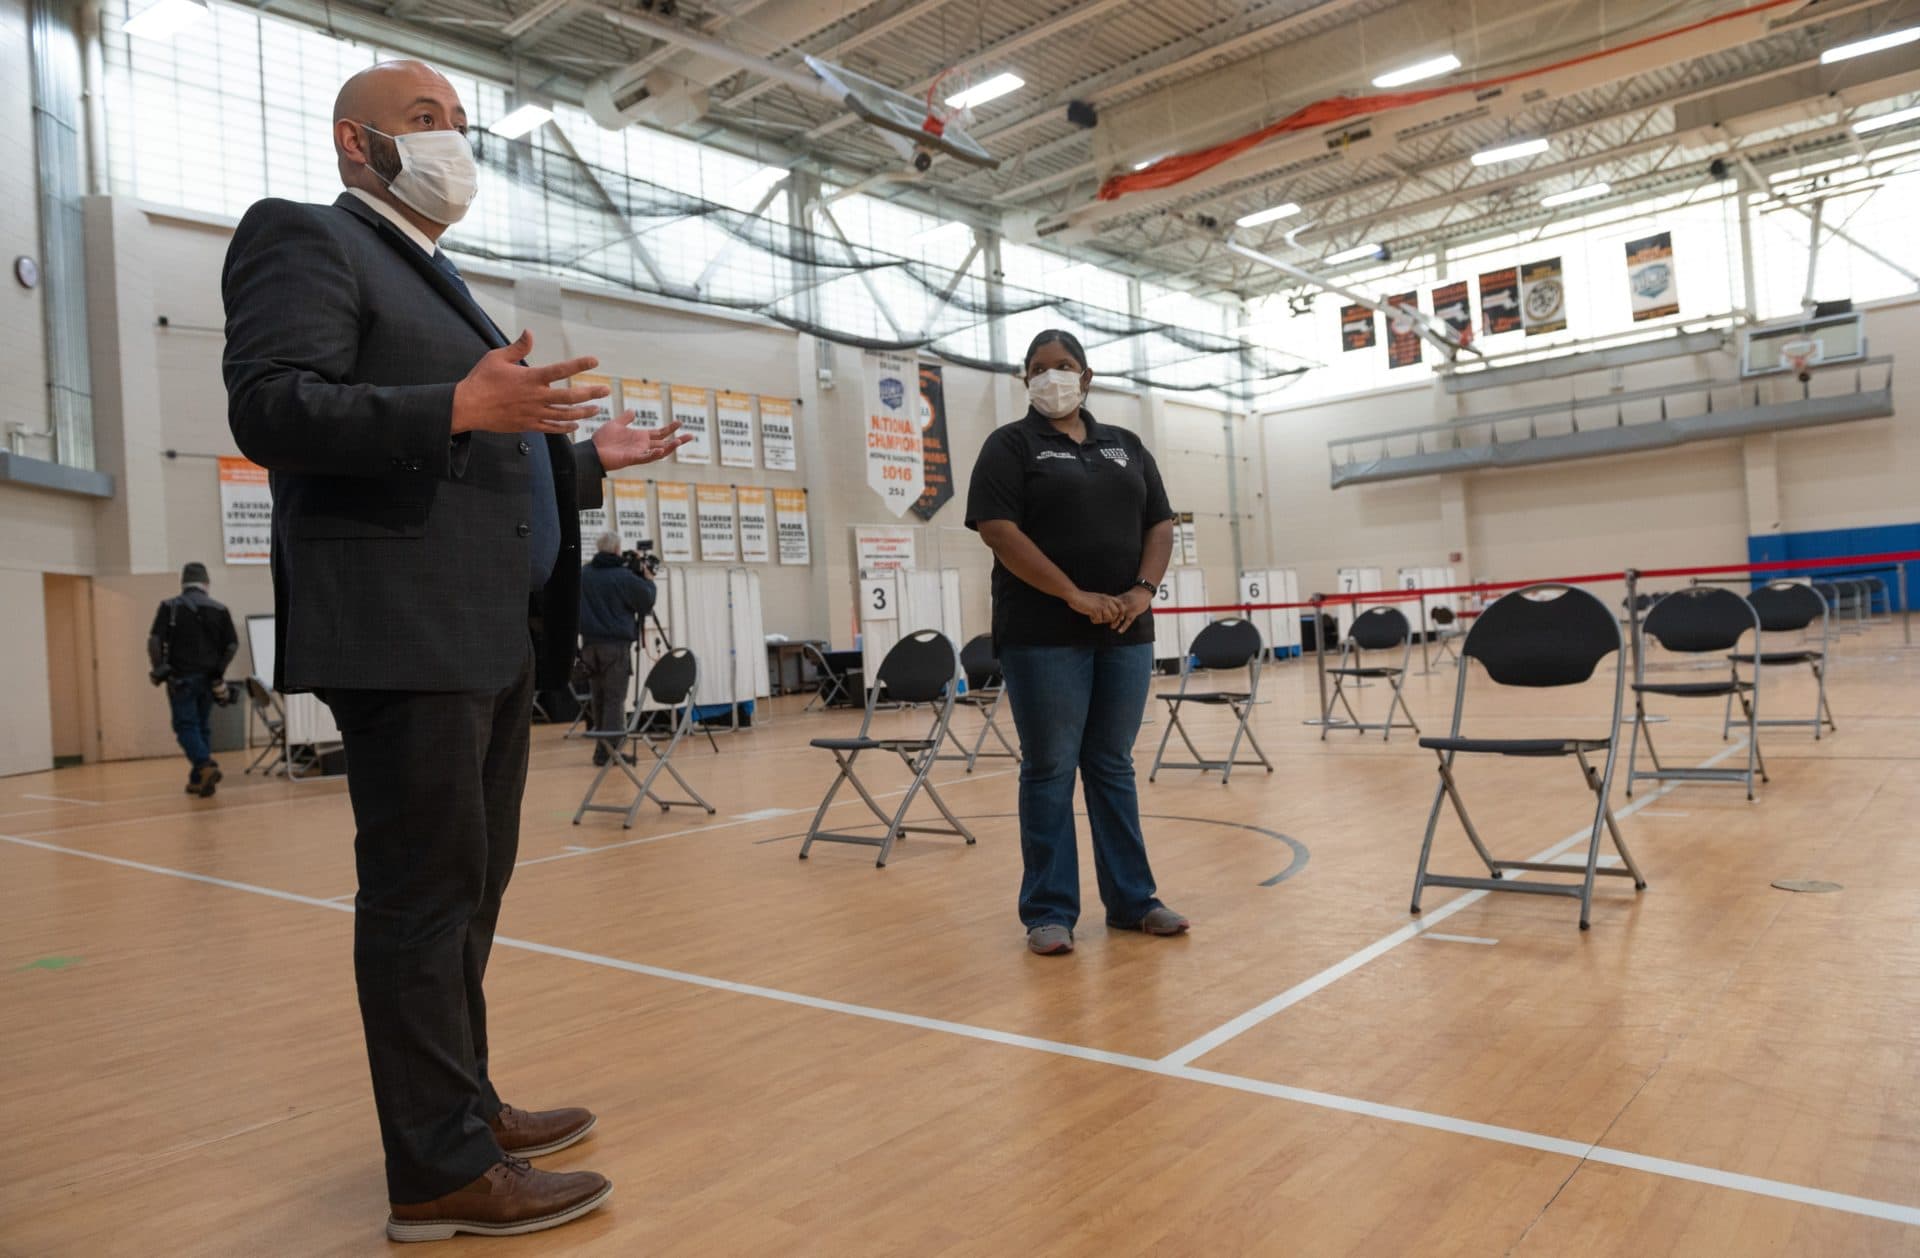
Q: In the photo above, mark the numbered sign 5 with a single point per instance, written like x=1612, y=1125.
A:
x=878, y=599
x=1164, y=595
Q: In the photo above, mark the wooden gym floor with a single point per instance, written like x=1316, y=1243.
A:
x=832, y=1059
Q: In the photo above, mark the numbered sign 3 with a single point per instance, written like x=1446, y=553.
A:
x=879, y=599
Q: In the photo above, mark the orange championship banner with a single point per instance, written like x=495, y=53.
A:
x=676, y=521
x=246, y=511
x=790, y=526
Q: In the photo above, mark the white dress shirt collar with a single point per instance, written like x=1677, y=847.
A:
x=399, y=220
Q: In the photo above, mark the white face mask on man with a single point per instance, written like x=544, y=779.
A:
x=1056, y=393
x=438, y=177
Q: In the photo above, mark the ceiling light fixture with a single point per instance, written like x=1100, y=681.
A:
x=1430, y=68
x=1356, y=254
x=1272, y=214
x=166, y=19
x=1587, y=193
x=1861, y=47
x=1510, y=152
x=527, y=118
x=1880, y=122
x=991, y=89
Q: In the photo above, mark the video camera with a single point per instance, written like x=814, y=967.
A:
x=642, y=561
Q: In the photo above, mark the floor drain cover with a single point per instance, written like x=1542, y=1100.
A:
x=1806, y=884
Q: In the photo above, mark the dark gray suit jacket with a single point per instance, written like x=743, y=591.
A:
x=399, y=550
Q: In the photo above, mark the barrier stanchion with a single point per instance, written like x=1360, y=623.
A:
x=1426, y=632
x=1320, y=655
x=1906, y=612
x=1633, y=631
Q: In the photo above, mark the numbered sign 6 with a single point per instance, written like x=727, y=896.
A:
x=1252, y=589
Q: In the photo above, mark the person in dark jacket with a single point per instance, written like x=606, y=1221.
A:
x=188, y=650
x=426, y=500
x=614, y=600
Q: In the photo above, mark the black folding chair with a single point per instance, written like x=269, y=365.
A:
x=1444, y=632
x=1696, y=621
x=670, y=683
x=834, y=686
x=581, y=693
x=264, y=706
x=1376, y=629
x=1544, y=635
x=985, y=690
x=1791, y=607
x=919, y=669
x=1223, y=646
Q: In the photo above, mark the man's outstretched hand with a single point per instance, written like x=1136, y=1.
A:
x=620, y=444
x=503, y=394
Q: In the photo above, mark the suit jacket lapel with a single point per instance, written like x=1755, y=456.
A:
x=468, y=308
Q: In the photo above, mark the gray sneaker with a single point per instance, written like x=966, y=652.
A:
x=1160, y=920
x=1050, y=940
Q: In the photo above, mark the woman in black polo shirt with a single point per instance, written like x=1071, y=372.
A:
x=1078, y=522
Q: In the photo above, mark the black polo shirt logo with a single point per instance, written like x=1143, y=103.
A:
x=1052, y=454
x=1117, y=453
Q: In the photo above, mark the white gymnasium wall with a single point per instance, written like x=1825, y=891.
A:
x=1696, y=504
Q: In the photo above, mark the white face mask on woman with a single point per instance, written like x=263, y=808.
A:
x=1057, y=393
x=437, y=175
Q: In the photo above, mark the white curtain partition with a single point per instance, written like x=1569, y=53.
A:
x=716, y=614
x=1172, y=635
x=1428, y=579
x=900, y=601
x=1280, y=630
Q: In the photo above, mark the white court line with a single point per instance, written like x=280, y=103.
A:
x=1187, y=1053
x=1578, y=1150
x=1472, y=939
x=62, y=799
x=764, y=814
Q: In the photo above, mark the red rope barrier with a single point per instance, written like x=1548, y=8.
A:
x=1497, y=587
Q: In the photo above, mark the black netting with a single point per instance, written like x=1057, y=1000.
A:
x=634, y=234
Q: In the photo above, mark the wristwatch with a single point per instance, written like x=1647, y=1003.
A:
x=1146, y=585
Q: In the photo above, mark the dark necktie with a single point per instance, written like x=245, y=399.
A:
x=543, y=536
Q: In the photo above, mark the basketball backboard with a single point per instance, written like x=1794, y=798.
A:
x=1839, y=338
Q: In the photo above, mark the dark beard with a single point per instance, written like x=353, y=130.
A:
x=383, y=156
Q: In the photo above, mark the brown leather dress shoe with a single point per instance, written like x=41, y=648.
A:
x=532, y=1133
x=509, y=1200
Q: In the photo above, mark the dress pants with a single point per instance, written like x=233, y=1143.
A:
x=435, y=779
x=609, y=669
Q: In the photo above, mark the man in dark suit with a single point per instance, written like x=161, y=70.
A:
x=425, y=515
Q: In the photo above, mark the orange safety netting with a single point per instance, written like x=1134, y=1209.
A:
x=1180, y=167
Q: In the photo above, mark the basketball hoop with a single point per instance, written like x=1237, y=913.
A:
x=1800, y=356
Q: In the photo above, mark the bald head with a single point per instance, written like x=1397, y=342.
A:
x=394, y=98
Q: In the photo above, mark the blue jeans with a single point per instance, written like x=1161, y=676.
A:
x=191, y=699
x=1079, y=708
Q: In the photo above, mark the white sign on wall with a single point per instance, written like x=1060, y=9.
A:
x=632, y=518
x=690, y=408
x=676, y=522
x=593, y=520
x=590, y=426
x=733, y=413
x=878, y=549
x=877, y=600
x=643, y=398
x=790, y=522
x=777, y=434
x=756, y=508
x=896, y=469
x=246, y=511
x=717, y=538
